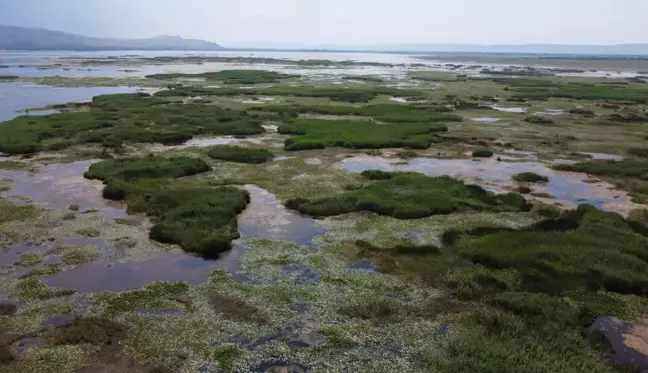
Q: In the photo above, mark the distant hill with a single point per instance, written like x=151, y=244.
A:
x=21, y=38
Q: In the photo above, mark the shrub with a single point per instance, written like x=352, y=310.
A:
x=583, y=112
x=482, y=153
x=239, y=154
x=114, y=192
x=530, y=177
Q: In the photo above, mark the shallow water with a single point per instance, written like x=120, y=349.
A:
x=567, y=188
x=16, y=96
x=486, y=119
x=265, y=217
x=57, y=186
x=629, y=342
x=554, y=112
x=604, y=156
x=510, y=109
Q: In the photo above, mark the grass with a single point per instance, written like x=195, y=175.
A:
x=130, y=169
x=341, y=94
x=411, y=196
x=13, y=165
x=239, y=154
x=94, y=331
x=390, y=113
x=114, y=120
x=364, y=78
x=602, y=251
x=359, y=134
x=29, y=259
x=536, y=119
x=530, y=177
x=232, y=76
x=78, y=255
x=482, y=153
x=543, y=89
x=624, y=168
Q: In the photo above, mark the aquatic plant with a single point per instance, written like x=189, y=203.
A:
x=360, y=134
x=536, y=119
x=530, y=177
x=482, y=153
x=411, y=196
x=240, y=154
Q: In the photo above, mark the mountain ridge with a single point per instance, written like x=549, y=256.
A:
x=23, y=38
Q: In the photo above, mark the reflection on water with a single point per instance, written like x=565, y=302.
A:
x=265, y=217
x=57, y=186
x=486, y=119
x=568, y=188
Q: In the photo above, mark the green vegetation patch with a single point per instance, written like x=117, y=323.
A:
x=601, y=250
x=482, y=153
x=342, y=94
x=129, y=169
x=116, y=119
x=320, y=133
x=29, y=259
x=411, y=197
x=530, y=177
x=232, y=76
x=625, y=168
x=543, y=89
x=78, y=255
x=536, y=119
x=239, y=154
x=94, y=331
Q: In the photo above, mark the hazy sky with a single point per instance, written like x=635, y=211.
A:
x=344, y=22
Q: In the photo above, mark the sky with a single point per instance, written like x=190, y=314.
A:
x=312, y=23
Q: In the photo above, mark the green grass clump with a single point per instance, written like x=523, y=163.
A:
x=603, y=251
x=364, y=78
x=78, y=255
x=129, y=169
x=12, y=165
x=543, y=89
x=200, y=220
x=232, y=76
x=117, y=119
x=8, y=77
x=156, y=295
x=536, y=119
x=530, y=177
x=29, y=259
x=226, y=357
x=583, y=112
x=624, y=168
x=94, y=331
x=360, y=134
x=482, y=153
x=411, y=197
x=239, y=154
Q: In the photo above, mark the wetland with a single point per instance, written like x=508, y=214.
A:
x=321, y=212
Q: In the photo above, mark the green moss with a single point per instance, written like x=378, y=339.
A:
x=340, y=336
x=530, y=177
x=239, y=154
x=410, y=197
x=235, y=308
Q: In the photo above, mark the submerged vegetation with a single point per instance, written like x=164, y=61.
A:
x=411, y=196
